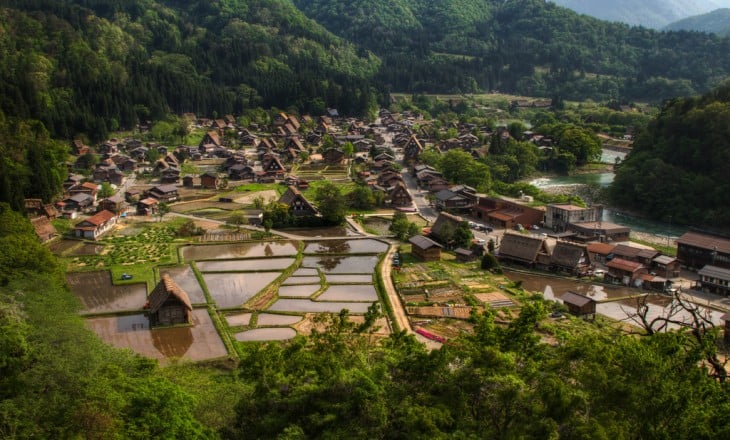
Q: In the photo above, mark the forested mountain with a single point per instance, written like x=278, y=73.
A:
x=716, y=22
x=678, y=167
x=525, y=46
x=97, y=65
x=91, y=66
x=648, y=13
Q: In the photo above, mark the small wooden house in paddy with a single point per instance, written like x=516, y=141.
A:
x=579, y=305
x=168, y=304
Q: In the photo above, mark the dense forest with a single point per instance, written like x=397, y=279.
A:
x=531, y=47
x=677, y=170
x=57, y=380
x=93, y=66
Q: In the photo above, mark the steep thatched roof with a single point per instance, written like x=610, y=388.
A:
x=569, y=255
x=164, y=290
x=523, y=248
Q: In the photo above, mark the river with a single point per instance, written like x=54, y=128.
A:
x=603, y=180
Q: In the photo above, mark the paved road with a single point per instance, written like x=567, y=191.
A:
x=399, y=313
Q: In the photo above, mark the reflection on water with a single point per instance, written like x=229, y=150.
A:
x=342, y=265
x=273, y=319
x=360, y=279
x=239, y=250
x=234, y=289
x=555, y=287
x=349, y=292
x=305, y=305
x=245, y=265
x=239, y=319
x=172, y=342
x=300, y=280
x=300, y=291
x=98, y=294
x=266, y=334
x=185, y=278
x=365, y=246
x=336, y=231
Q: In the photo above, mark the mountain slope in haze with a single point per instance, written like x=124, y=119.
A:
x=648, y=13
x=715, y=22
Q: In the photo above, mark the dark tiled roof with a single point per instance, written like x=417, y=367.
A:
x=423, y=242
x=705, y=241
x=575, y=299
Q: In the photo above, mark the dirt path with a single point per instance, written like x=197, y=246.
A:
x=399, y=313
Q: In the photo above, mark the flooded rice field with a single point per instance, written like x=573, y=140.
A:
x=305, y=305
x=239, y=319
x=232, y=290
x=615, y=300
x=266, y=264
x=336, y=231
x=98, y=295
x=273, y=319
x=62, y=246
x=195, y=343
x=88, y=249
x=185, y=278
x=559, y=286
x=305, y=272
x=342, y=279
x=291, y=281
x=365, y=246
x=299, y=291
x=349, y=292
x=342, y=265
x=266, y=334
x=239, y=250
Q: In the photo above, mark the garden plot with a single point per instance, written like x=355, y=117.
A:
x=197, y=342
x=234, y=289
x=98, y=295
x=266, y=264
x=239, y=250
x=185, y=278
x=342, y=264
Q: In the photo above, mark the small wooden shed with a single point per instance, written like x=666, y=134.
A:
x=579, y=305
x=168, y=304
x=425, y=248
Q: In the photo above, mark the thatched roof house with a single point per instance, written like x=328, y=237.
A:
x=168, y=304
x=569, y=257
x=524, y=249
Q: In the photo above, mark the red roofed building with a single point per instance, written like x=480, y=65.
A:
x=96, y=225
x=625, y=271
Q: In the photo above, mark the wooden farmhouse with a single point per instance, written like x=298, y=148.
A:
x=571, y=258
x=168, y=304
x=96, y=225
x=579, y=305
x=297, y=203
x=524, y=249
x=425, y=248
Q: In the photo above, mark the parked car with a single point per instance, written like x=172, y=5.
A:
x=126, y=276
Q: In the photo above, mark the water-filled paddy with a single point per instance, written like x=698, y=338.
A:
x=344, y=264
x=336, y=231
x=239, y=319
x=232, y=290
x=274, y=319
x=185, y=278
x=305, y=305
x=305, y=272
x=351, y=292
x=239, y=250
x=301, y=280
x=266, y=334
x=197, y=342
x=360, y=279
x=301, y=291
x=266, y=264
x=365, y=246
x=98, y=294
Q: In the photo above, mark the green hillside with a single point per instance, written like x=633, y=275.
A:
x=715, y=22
x=97, y=65
x=648, y=13
x=677, y=170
